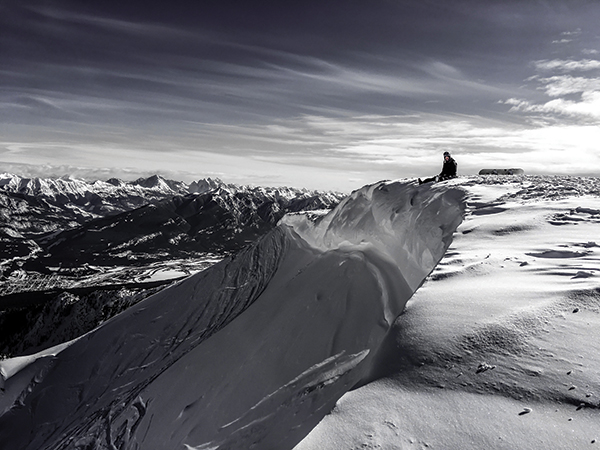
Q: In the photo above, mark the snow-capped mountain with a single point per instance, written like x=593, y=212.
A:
x=39, y=205
x=73, y=222
x=80, y=200
x=69, y=236
x=216, y=221
x=74, y=190
x=118, y=195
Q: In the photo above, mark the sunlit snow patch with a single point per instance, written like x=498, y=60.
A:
x=252, y=352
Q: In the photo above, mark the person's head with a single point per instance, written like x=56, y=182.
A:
x=446, y=156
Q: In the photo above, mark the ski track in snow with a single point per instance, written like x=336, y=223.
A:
x=252, y=352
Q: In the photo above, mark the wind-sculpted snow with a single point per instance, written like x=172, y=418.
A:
x=411, y=226
x=250, y=353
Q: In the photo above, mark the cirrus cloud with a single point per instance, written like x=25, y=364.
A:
x=567, y=65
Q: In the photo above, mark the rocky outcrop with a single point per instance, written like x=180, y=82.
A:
x=501, y=172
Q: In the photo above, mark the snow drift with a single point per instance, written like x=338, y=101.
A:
x=250, y=353
x=500, y=347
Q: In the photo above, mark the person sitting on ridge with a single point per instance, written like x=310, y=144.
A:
x=448, y=170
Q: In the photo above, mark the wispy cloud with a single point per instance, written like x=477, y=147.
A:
x=573, y=88
x=588, y=108
x=411, y=146
x=322, y=91
x=568, y=37
x=567, y=65
x=108, y=25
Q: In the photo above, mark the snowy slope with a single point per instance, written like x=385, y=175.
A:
x=254, y=351
x=500, y=348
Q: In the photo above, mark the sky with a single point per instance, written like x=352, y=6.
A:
x=325, y=94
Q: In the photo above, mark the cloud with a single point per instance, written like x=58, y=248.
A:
x=326, y=152
x=575, y=98
x=108, y=25
x=411, y=146
x=568, y=36
x=576, y=32
x=567, y=65
x=587, y=108
x=316, y=89
x=559, y=86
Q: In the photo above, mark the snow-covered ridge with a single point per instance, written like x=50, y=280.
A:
x=253, y=351
x=389, y=210
x=500, y=348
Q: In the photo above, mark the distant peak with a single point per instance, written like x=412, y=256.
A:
x=205, y=185
x=151, y=181
x=115, y=181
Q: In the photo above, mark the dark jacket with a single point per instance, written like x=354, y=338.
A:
x=448, y=169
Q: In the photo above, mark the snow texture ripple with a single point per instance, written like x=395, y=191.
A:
x=251, y=353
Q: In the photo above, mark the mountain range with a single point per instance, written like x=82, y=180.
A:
x=65, y=240
x=50, y=222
